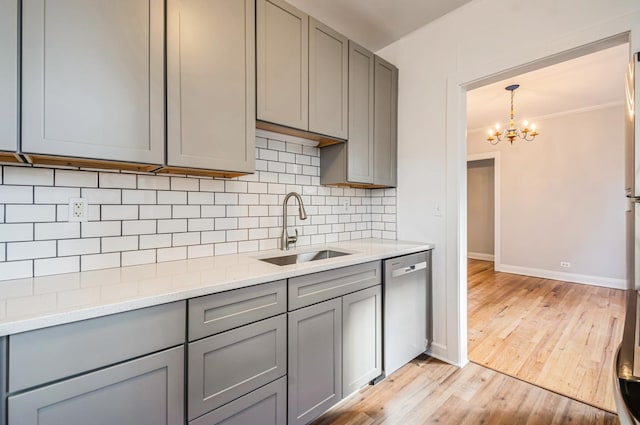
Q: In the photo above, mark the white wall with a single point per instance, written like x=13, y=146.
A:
x=562, y=198
x=482, y=39
x=480, y=209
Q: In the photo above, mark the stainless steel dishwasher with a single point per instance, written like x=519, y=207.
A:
x=407, y=309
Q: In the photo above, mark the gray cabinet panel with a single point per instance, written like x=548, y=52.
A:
x=227, y=310
x=328, y=81
x=282, y=52
x=264, y=406
x=385, y=123
x=361, y=339
x=93, y=79
x=146, y=391
x=360, y=145
x=82, y=346
x=313, y=288
x=211, y=84
x=231, y=364
x=315, y=366
x=8, y=75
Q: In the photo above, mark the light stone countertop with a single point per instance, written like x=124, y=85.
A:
x=34, y=303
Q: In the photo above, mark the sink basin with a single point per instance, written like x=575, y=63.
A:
x=303, y=257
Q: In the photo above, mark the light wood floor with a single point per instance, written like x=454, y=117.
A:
x=556, y=335
x=428, y=391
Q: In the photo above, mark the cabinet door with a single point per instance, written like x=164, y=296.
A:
x=228, y=365
x=360, y=145
x=93, y=79
x=282, y=34
x=211, y=84
x=265, y=406
x=315, y=360
x=328, y=81
x=146, y=391
x=385, y=123
x=8, y=75
x=362, y=338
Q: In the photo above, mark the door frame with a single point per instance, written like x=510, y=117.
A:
x=495, y=155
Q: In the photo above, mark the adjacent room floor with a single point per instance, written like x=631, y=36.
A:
x=557, y=335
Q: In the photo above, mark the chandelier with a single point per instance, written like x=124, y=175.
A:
x=513, y=132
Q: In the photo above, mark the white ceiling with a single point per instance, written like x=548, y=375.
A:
x=376, y=23
x=586, y=82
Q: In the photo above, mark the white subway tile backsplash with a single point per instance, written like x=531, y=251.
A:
x=54, y=195
x=78, y=246
x=30, y=250
x=76, y=178
x=172, y=254
x=49, y=266
x=150, y=212
x=117, y=180
x=44, y=231
x=144, y=218
x=138, y=227
x=119, y=212
x=16, y=194
x=139, y=197
x=28, y=176
x=120, y=243
x=99, y=261
x=16, y=269
x=134, y=258
x=30, y=213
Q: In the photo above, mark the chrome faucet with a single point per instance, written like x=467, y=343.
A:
x=285, y=239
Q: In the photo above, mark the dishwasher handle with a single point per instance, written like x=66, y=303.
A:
x=409, y=269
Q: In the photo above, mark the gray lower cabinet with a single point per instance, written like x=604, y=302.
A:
x=315, y=360
x=328, y=81
x=8, y=75
x=361, y=339
x=282, y=68
x=385, y=120
x=211, y=84
x=265, y=406
x=228, y=365
x=145, y=391
x=93, y=79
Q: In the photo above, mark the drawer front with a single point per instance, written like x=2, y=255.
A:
x=220, y=312
x=264, y=406
x=145, y=391
x=318, y=287
x=226, y=366
x=45, y=355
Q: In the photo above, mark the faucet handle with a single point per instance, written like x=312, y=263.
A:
x=292, y=239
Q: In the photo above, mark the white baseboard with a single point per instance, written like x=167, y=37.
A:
x=480, y=256
x=606, y=282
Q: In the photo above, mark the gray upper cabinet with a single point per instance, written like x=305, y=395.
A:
x=145, y=391
x=8, y=75
x=362, y=338
x=93, y=79
x=385, y=123
x=315, y=360
x=328, y=81
x=211, y=84
x=282, y=34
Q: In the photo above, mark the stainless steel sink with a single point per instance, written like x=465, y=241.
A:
x=303, y=257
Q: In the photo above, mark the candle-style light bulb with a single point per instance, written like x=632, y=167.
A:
x=525, y=123
x=497, y=127
x=533, y=127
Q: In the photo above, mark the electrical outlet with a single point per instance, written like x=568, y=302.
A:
x=78, y=209
x=345, y=205
x=565, y=264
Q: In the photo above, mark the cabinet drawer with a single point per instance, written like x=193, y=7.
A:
x=231, y=364
x=217, y=313
x=145, y=391
x=264, y=406
x=318, y=287
x=44, y=355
